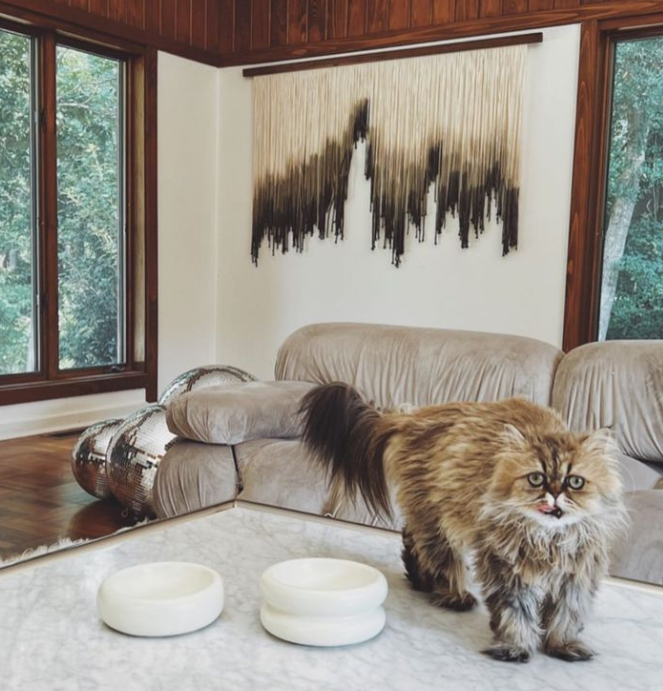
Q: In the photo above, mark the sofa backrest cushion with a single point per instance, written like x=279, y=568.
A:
x=395, y=365
x=619, y=385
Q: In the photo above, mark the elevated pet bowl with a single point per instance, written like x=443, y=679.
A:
x=323, y=602
x=161, y=599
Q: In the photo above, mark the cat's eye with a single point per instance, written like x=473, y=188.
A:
x=575, y=481
x=536, y=479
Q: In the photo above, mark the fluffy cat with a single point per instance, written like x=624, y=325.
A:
x=506, y=482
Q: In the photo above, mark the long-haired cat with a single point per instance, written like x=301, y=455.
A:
x=506, y=482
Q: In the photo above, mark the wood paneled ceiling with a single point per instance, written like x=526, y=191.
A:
x=269, y=30
x=224, y=32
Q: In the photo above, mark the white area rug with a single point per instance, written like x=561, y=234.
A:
x=51, y=637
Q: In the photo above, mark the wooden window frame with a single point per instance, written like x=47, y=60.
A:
x=140, y=368
x=590, y=170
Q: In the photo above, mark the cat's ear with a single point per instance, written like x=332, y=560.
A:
x=601, y=441
x=514, y=435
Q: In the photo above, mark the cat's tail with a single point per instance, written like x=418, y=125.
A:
x=349, y=437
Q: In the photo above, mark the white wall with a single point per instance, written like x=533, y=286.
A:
x=441, y=285
x=187, y=168
x=188, y=182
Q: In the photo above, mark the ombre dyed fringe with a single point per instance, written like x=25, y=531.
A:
x=450, y=121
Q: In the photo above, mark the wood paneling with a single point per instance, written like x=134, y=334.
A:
x=226, y=21
x=98, y=7
x=356, y=17
x=466, y=11
x=322, y=27
x=443, y=11
x=183, y=22
x=191, y=28
x=541, y=5
x=228, y=32
x=317, y=20
x=168, y=19
x=117, y=10
x=399, y=14
x=421, y=12
x=337, y=19
x=278, y=27
x=199, y=23
x=242, y=36
x=490, y=8
x=514, y=6
x=377, y=16
x=297, y=21
x=136, y=13
x=152, y=16
x=260, y=25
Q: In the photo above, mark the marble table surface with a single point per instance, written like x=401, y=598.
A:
x=52, y=639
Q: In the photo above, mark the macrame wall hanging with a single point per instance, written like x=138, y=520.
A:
x=451, y=121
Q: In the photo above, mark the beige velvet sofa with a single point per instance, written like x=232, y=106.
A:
x=616, y=384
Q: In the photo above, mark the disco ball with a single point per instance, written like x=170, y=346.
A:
x=201, y=378
x=134, y=454
x=88, y=459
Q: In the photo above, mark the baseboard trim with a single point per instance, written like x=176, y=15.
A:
x=56, y=423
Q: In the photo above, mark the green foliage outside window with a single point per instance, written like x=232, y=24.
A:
x=89, y=202
x=16, y=292
x=88, y=207
x=632, y=288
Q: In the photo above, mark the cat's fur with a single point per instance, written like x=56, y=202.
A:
x=462, y=473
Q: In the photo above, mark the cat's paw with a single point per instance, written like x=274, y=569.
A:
x=572, y=651
x=459, y=603
x=508, y=653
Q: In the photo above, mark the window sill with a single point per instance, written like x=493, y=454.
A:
x=27, y=392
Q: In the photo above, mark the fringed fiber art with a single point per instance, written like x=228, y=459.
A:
x=451, y=121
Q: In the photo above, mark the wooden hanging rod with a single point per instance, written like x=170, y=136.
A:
x=481, y=44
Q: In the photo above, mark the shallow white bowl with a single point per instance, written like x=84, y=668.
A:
x=161, y=599
x=323, y=631
x=323, y=587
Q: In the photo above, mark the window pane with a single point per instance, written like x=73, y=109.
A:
x=90, y=209
x=18, y=323
x=632, y=285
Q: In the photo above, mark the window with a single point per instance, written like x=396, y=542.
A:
x=631, y=298
x=18, y=217
x=90, y=184
x=614, y=287
x=77, y=213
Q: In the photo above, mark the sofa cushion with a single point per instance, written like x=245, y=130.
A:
x=281, y=473
x=638, y=474
x=393, y=365
x=639, y=554
x=193, y=476
x=615, y=384
x=240, y=412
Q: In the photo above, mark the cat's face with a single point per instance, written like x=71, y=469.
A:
x=556, y=480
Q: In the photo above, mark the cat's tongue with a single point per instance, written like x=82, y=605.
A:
x=547, y=508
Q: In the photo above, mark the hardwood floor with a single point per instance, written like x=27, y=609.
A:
x=41, y=502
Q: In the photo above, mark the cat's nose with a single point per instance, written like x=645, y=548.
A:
x=556, y=489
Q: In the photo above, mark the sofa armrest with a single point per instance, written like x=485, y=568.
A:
x=239, y=412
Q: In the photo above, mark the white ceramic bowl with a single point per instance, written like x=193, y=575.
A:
x=323, y=587
x=323, y=631
x=161, y=599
